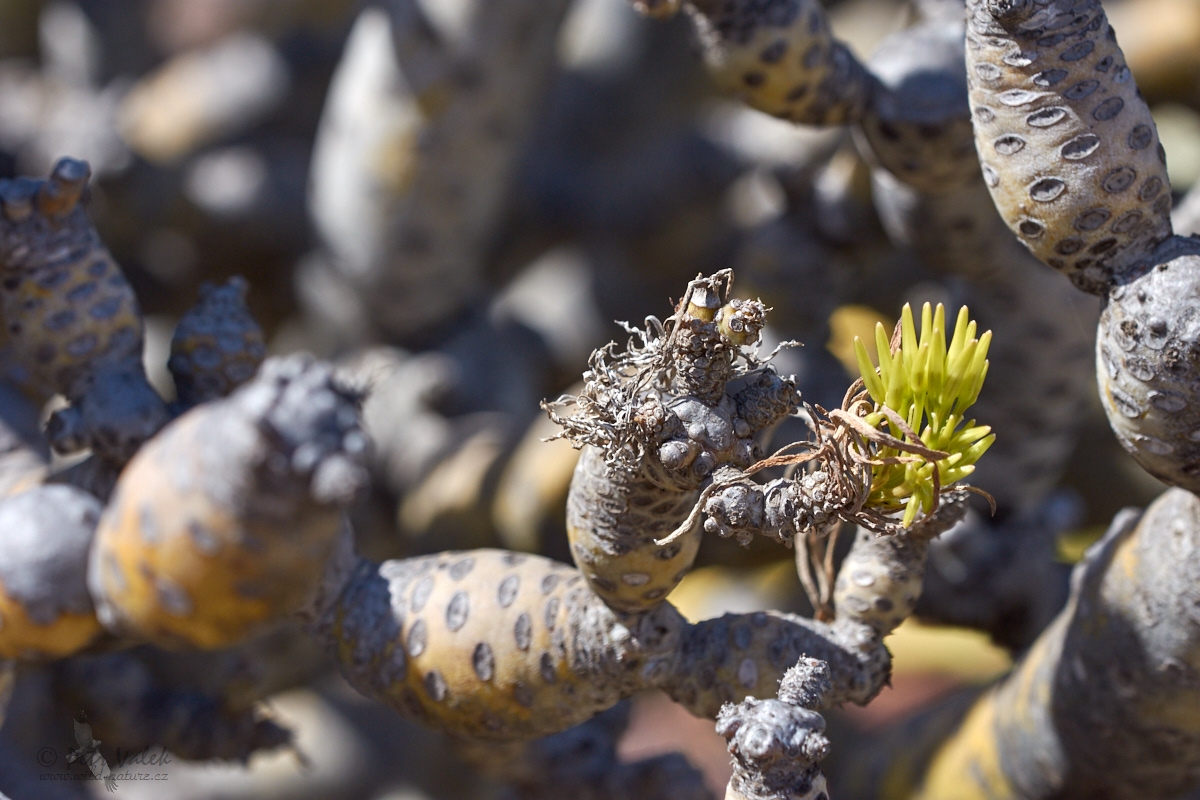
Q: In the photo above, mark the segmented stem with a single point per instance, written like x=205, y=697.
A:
x=780, y=57
x=71, y=317
x=223, y=523
x=1068, y=147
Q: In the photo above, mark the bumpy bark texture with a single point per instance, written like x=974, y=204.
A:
x=498, y=645
x=1067, y=144
x=777, y=744
x=780, y=57
x=491, y=644
x=45, y=610
x=442, y=204
x=613, y=520
x=1082, y=180
x=1105, y=705
x=71, y=318
x=223, y=523
x=659, y=421
x=217, y=345
x=1147, y=363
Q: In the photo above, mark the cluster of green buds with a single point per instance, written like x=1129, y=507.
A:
x=922, y=385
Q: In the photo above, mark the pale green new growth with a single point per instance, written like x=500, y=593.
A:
x=930, y=387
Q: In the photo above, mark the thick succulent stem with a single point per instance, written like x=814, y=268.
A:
x=614, y=517
x=202, y=96
x=777, y=744
x=223, y=523
x=1067, y=144
x=432, y=209
x=71, y=317
x=1072, y=157
x=658, y=422
x=1105, y=704
x=918, y=126
x=744, y=655
x=500, y=645
x=217, y=345
x=1146, y=363
x=497, y=645
x=781, y=57
x=424, y=58
x=489, y=644
x=45, y=609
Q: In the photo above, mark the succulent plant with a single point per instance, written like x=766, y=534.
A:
x=72, y=318
x=217, y=345
x=222, y=524
x=928, y=386
x=781, y=58
x=657, y=423
x=44, y=602
x=433, y=182
x=1073, y=161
